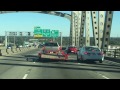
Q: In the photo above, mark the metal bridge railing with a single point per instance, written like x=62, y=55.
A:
x=115, y=53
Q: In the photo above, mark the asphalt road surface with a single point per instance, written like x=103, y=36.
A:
x=17, y=67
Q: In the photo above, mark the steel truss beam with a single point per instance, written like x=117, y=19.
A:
x=65, y=15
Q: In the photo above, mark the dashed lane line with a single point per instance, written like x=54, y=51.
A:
x=26, y=75
x=103, y=76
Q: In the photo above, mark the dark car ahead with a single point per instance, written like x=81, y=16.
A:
x=71, y=49
x=9, y=46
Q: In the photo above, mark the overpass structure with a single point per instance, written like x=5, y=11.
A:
x=80, y=23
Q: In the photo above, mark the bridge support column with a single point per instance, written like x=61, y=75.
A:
x=81, y=38
x=72, y=30
x=107, y=29
x=75, y=28
x=101, y=16
x=87, y=34
x=95, y=27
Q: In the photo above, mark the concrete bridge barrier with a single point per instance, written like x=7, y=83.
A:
x=5, y=51
x=18, y=49
x=10, y=51
x=21, y=49
x=14, y=50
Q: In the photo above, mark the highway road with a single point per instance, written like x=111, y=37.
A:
x=17, y=67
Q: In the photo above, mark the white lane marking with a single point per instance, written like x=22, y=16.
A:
x=33, y=62
x=103, y=76
x=79, y=63
x=25, y=76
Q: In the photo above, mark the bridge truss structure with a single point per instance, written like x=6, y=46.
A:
x=80, y=22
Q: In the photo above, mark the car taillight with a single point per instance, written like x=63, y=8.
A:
x=59, y=48
x=101, y=53
x=85, y=53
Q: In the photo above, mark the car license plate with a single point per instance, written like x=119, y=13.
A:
x=72, y=51
x=51, y=52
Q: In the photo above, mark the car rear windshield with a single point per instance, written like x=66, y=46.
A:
x=91, y=49
x=51, y=44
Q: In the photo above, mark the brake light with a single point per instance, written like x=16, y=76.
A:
x=101, y=53
x=85, y=53
x=59, y=48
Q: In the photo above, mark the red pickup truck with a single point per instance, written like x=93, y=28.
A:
x=52, y=48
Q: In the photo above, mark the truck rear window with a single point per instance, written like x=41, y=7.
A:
x=51, y=44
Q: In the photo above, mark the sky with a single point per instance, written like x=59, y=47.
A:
x=27, y=21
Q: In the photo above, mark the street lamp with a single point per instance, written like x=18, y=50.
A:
x=6, y=39
x=61, y=38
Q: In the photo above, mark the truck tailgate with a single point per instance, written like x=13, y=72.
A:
x=52, y=56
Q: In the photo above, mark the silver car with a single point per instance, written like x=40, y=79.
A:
x=91, y=53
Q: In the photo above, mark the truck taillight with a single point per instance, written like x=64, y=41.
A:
x=59, y=48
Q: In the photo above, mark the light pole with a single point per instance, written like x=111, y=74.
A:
x=61, y=38
x=15, y=33
x=5, y=39
x=14, y=40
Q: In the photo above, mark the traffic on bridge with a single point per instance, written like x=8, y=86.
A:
x=59, y=45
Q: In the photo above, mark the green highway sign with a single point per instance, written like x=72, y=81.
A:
x=38, y=32
x=55, y=33
x=46, y=33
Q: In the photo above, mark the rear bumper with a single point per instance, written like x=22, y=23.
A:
x=59, y=56
x=94, y=59
x=50, y=51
